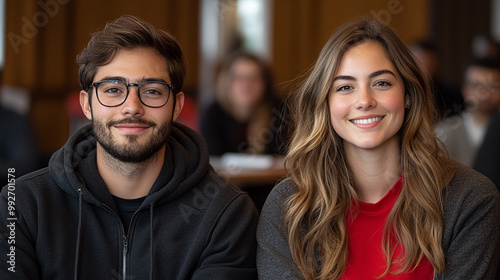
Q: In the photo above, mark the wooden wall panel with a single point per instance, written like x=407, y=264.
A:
x=50, y=35
x=302, y=27
x=46, y=66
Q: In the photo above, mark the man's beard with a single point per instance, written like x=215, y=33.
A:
x=131, y=151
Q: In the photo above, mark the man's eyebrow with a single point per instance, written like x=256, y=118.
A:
x=372, y=75
x=114, y=78
x=125, y=80
x=152, y=80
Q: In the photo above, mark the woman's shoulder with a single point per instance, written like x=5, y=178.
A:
x=468, y=180
x=278, y=197
x=284, y=189
x=469, y=187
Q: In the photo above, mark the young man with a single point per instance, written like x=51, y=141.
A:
x=463, y=134
x=132, y=196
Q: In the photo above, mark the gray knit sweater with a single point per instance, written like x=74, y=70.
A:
x=471, y=234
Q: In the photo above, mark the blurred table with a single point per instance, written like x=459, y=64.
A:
x=255, y=174
x=249, y=171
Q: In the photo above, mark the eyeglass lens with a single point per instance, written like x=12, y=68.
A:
x=114, y=93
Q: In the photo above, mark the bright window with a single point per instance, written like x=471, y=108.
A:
x=2, y=32
x=254, y=20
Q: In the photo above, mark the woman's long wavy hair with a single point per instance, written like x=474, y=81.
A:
x=316, y=214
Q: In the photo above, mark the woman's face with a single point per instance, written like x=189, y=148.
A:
x=246, y=86
x=367, y=100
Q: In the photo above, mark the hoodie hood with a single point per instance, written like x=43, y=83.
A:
x=186, y=163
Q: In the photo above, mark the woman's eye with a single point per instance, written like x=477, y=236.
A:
x=382, y=84
x=344, y=88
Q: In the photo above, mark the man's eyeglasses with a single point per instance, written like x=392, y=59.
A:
x=483, y=86
x=153, y=94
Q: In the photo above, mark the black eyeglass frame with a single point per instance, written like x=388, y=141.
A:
x=169, y=86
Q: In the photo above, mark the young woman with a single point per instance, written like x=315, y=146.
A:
x=240, y=119
x=371, y=195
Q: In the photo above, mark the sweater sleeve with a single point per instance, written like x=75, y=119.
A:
x=471, y=217
x=274, y=259
x=17, y=246
x=230, y=253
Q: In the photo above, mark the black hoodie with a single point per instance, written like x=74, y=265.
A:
x=64, y=223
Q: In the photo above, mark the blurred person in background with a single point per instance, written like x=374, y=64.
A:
x=17, y=142
x=449, y=101
x=244, y=117
x=485, y=46
x=463, y=134
x=488, y=156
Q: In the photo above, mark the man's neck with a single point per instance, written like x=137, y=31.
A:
x=375, y=171
x=129, y=180
x=482, y=118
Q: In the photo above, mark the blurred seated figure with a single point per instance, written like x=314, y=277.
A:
x=485, y=46
x=449, y=101
x=463, y=134
x=488, y=157
x=17, y=144
x=244, y=118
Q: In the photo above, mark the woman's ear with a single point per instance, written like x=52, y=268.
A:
x=407, y=102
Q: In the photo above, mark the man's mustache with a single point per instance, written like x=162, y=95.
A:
x=131, y=121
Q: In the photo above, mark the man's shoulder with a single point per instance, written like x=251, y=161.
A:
x=213, y=198
x=218, y=185
x=31, y=189
x=33, y=180
x=216, y=192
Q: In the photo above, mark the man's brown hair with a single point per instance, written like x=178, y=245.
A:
x=128, y=32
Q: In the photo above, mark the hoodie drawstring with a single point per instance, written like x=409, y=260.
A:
x=79, y=233
x=151, y=241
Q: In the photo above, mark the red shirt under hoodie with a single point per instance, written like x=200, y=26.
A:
x=366, y=259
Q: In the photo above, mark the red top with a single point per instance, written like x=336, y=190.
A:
x=366, y=260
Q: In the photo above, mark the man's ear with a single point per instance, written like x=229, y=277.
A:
x=179, y=103
x=84, y=102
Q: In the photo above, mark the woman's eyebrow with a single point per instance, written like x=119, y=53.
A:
x=343, y=77
x=381, y=72
x=372, y=75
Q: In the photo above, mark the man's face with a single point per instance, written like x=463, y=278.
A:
x=482, y=89
x=132, y=132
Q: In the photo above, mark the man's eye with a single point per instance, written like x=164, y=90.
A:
x=151, y=92
x=113, y=90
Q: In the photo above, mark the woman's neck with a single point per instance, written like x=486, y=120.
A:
x=375, y=170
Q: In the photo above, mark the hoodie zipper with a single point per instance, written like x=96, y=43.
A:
x=124, y=239
x=124, y=260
